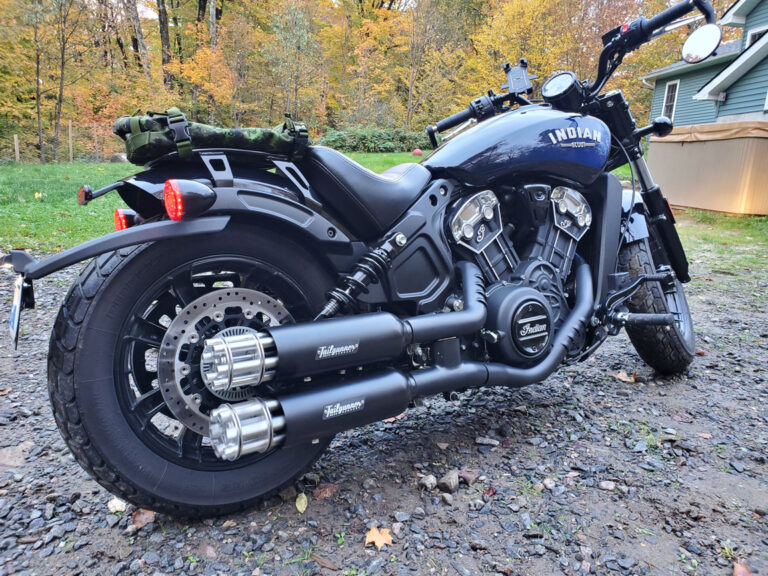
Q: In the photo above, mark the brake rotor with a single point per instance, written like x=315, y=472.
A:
x=178, y=362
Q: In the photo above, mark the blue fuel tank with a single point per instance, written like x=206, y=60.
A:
x=527, y=143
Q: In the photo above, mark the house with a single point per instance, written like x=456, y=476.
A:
x=712, y=158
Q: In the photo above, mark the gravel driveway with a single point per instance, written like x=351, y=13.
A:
x=588, y=472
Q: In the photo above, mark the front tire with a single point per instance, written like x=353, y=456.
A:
x=92, y=349
x=667, y=349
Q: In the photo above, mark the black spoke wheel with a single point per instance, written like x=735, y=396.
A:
x=667, y=349
x=103, y=367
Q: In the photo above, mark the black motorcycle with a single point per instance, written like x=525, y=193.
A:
x=251, y=307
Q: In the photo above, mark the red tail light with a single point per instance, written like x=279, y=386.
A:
x=174, y=204
x=125, y=219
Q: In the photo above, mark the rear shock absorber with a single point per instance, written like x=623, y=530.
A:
x=370, y=269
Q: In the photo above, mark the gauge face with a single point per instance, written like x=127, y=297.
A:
x=557, y=85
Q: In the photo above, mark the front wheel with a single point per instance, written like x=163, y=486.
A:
x=105, y=376
x=667, y=349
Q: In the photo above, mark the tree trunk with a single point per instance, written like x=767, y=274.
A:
x=165, y=41
x=133, y=14
x=212, y=24
x=38, y=80
x=60, y=95
x=201, y=5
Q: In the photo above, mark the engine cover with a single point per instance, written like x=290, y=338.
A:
x=521, y=322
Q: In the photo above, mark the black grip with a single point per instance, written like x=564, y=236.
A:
x=455, y=120
x=668, y=16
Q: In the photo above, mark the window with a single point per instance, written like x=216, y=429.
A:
x=765, y=106
x=755, y=35
x=670, y=99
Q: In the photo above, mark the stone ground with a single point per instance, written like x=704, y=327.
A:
x=584, y=473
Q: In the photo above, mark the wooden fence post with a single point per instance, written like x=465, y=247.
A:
x=70, y=141
x=16, y=148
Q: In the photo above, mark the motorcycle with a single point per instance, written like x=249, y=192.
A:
x=250, y=308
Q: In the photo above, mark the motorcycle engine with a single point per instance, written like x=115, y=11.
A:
x=526, y=300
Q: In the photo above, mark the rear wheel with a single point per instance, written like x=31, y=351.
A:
x=667, y=349
x=103, y=374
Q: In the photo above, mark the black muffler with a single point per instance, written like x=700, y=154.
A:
x=315, y=410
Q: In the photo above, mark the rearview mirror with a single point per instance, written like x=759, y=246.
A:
x=702, y=43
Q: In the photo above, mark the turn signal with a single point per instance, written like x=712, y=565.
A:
x=187, y=198
x=174, y=203
x=124, y=219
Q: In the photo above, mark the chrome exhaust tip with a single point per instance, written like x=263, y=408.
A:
x=240, y=429
x=236, y=357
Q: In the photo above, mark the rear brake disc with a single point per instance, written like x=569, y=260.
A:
x=178, y=372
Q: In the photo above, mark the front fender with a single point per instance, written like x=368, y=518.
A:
x=33, y=269
x=633, y=213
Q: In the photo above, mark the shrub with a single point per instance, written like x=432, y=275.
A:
x=371, y=139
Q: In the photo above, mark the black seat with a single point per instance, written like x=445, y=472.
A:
x=368, y=203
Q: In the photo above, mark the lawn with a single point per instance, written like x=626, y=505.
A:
x=39, y=211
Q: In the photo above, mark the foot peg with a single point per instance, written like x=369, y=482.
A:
x=630, y=319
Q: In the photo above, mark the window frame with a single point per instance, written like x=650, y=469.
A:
x=765, y=106
x=754, y=31
x=677, y=95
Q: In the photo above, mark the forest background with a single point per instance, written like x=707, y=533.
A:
x=69, y=68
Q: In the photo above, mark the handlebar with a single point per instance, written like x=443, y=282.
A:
x=455, y=119
x=624, y=39
x=677, y=11
x=617, y=43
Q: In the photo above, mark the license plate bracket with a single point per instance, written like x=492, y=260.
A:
x=23, y=297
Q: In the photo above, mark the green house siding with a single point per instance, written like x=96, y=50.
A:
x=748, y=93
x=758, y=18
x=687, y=111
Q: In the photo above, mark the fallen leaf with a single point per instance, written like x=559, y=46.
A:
x=741, y=570
x=442, y=445
x=229, y=524
x=489, y=493
x=705, y=435
x=324, y=491
x=469, y=475
x=301, y=502
x=378, y=538
x=323, y=562
x=116, y=506
x=4, y=391
x=701, y=352
x=142, y=517
x=624, y=377
x=396, y=418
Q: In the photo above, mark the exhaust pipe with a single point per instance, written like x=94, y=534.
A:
x=318, y=410
x=299, y=350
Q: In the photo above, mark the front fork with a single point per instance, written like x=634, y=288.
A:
x=661, y=219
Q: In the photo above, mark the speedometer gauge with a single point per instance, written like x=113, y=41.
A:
x=563, y=91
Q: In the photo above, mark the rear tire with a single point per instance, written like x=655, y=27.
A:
x=667, y=349
x=86, y=360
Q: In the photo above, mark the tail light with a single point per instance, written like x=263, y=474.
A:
x=187, y=198
x=125, y=219
x=174, y=203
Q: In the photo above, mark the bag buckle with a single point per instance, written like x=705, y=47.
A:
x=178, y=123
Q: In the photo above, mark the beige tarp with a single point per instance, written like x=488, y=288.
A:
x=721, y=131
x=721, y=167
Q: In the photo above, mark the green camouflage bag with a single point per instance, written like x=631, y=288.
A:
x=158, y=133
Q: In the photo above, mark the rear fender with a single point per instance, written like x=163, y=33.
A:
x=259, y=197
x=32, y=269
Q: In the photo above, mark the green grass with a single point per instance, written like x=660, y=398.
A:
x=38, y=205
x=725, y=242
